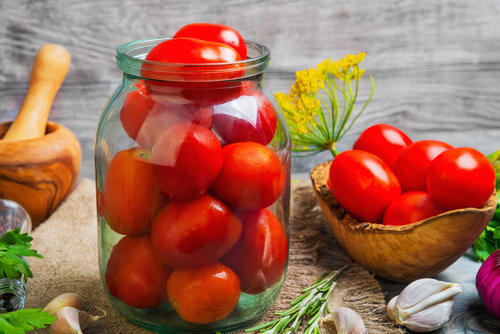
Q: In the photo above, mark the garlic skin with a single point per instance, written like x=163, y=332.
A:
x=346, y=321
x=72, y=321
x=70, y=299
x=68, y=321
x=424, y=305
x=70, y=317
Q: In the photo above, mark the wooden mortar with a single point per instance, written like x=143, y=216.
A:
x=39, y=173
x=39, y=160
x=402, y=253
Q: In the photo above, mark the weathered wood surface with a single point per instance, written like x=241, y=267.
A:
x=436, y=65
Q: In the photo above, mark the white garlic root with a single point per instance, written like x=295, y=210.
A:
x=69, y=313
x=424, y=305
x=346, y=321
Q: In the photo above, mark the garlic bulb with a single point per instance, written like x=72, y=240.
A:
x=488, y=283
x=72, y=321
x=424, y=305
x=346, y=321
x=70, y=317
x=66, y=299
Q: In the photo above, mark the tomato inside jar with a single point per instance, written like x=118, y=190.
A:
x=192, y=170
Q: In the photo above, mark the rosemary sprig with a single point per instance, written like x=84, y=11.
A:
x=309, y=306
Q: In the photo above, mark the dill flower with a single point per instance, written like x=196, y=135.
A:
x=315, y=115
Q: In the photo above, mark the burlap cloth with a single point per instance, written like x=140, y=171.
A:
x=68, y=240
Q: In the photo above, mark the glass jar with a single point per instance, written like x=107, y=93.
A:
x=13, y=291
x=193, y=191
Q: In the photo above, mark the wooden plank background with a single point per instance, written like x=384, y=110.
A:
x=436, y=64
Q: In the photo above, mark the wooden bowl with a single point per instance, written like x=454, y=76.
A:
x=402, y=253
x=39, y=173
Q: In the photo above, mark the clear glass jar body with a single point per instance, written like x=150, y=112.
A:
x=193, y=191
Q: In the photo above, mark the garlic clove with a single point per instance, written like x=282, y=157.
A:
x=67, y=321
x=424, y=305
x=420, y=290
x=431, y=318
x=69, y=299
x=70, y=320
x=391, y=306
x=346, y=321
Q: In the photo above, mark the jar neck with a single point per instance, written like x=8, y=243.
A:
x=131, y=60
x=257, y=79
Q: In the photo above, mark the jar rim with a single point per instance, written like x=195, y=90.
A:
x=131, y=56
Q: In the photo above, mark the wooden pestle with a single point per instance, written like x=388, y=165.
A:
x=49, y=70
x=39, y=160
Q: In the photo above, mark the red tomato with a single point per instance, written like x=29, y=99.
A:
x=192, y=51
x=208, y=93
x=196, y=233
x=187, y=159
x=165, y=114
x=412, y=165
x=134, y=275
x=260, y=255
x=99, y=202
x=201, y=84
x=411, y=207
x=215, y=33
x=136, y=107
x=204, y=295
x=251, y=176
x=363, y=184
x=461, y=178
x=385, y=141
x=250, y=117
x=131, y=197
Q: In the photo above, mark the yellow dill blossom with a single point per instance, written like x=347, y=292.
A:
x=286, y=102
x=344, y=68
x=351, y=65
x=307, y=81
x=323, y=67
x=335, y=68
x=315, y=124
x=299, y=110
x=308, y=105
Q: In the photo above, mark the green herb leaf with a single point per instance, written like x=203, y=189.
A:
x=19, y=322
x=495, y=160
x=483, y=248
x=489, y=240
x=13, y=246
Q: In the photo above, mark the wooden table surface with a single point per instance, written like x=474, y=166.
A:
x=469, y=315
x=436, y=65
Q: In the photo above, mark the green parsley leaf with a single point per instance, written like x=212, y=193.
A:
x=483, y=248
x=13, y=247
x=19, y=322
x=489, y=240
x=495, y=160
